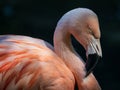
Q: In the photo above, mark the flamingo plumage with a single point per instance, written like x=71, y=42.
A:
x=27, y=63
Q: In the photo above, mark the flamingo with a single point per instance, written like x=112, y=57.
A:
x=28, y=63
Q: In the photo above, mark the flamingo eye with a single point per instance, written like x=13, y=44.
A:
x=90, y=31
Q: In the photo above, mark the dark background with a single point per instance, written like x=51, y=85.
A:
x=38, y=19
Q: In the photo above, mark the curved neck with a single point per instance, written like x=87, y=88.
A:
x=64, y=49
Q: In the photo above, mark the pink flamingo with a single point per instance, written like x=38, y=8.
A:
x=27, y=63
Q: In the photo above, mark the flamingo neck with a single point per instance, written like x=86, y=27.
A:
x=64, y=49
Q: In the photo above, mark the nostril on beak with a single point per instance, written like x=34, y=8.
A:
x=97, y=47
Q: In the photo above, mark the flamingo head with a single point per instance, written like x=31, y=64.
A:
x=85, y=28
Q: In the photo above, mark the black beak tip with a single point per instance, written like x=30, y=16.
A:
x=91, y=63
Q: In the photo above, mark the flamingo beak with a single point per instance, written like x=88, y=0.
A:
x=94, y=53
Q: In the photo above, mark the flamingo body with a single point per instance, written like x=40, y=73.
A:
x=24, y=67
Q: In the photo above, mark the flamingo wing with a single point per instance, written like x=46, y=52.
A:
x=30, y=64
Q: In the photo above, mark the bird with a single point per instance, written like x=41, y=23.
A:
x=28, y=63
